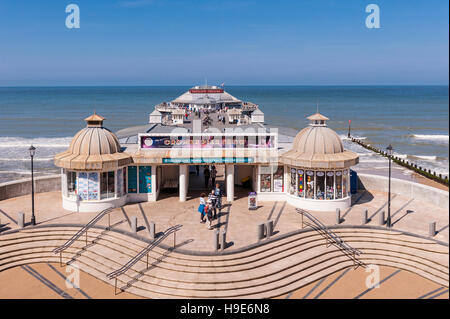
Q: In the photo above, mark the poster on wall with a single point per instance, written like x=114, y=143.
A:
x=93, y=186
x=265, y=182
x=145, y=179
x=83, y=186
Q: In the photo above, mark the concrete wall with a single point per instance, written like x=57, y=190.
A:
x=406, y=188
x=23, y=187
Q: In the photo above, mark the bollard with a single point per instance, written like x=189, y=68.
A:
x=269, y=228
x=152, y=230
x=381, y=218
x=223, y=239
x=216, y=240
x=432, y=229
x=338, y=216
x=260, y=231
x=364, y=217
x=21, y=220
x=134, y=224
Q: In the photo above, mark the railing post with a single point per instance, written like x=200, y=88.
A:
x=381, y=220
x=134, y=224
x=152, y=230
x=21, y=220
x=86, y=236
x=269, y=228
x=432, y=229
x=223, y=240
x=260, y=232
x=216, y=240
x=364, y=217
x=147, y=262
x=338, y=216
x=60, y=259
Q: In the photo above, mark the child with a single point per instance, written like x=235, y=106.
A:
x=201, y=208
x=208, y=213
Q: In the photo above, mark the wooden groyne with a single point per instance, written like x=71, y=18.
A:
x=402, y=162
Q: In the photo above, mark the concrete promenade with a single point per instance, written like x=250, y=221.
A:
x=241, y=224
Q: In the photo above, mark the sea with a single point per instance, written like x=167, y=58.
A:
x=413, y=119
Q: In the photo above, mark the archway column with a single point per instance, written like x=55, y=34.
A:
x=230, y=182
x=182, y=183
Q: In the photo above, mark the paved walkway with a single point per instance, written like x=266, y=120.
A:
x=49, y=280
x=241, y=224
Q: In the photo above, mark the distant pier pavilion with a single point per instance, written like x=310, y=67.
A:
x=205, y=126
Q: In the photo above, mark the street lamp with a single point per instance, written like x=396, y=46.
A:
x=32, y=150
x=389, y=152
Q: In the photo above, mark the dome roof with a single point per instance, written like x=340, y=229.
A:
x=318, y=146
x=94, y=141
x=318, y=140
x=94, y=147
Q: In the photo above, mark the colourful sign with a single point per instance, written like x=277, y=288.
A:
x=209, y=160
x=208, y=141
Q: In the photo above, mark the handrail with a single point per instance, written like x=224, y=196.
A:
x=142, y=253
x=81, y=231
x=329, y=232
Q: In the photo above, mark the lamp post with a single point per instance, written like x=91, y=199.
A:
x=32, y=150
x=390, y=151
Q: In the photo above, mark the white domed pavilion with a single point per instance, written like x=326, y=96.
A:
x=318, y=167
x=93, y=169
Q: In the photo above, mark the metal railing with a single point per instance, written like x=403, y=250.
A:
x=85, y=229
x=142, y=253
x=330, y=235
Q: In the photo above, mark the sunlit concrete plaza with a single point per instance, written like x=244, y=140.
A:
x=300, y=217
x=240, y=224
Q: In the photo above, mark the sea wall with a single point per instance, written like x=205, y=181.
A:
x=402, y=162
x=23, y=187
x=402, y=187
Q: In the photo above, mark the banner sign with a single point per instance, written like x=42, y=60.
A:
x=209, y=160
x=207, y=142
x=212, y=91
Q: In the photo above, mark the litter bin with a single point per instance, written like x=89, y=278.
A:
x=353, y=182
x=252, y=200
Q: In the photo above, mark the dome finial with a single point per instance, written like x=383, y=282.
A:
x=95, y=120
x=318, y=119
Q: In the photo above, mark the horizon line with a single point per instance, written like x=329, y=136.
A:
x=225, y=86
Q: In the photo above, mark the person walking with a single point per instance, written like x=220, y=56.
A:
x=206, y=174
x=208, y=213
x=201, y=207
x=197, y=169
x=212, y=198
x=219, y=193
x=213, y=176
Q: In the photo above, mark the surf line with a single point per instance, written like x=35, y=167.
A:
x=402, y=162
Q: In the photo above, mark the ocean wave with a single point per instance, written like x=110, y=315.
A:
x=50, y=142
x=435, y=137
x=345, y=137
x=426, y=157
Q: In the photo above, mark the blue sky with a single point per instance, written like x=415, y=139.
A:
x=239, y=42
